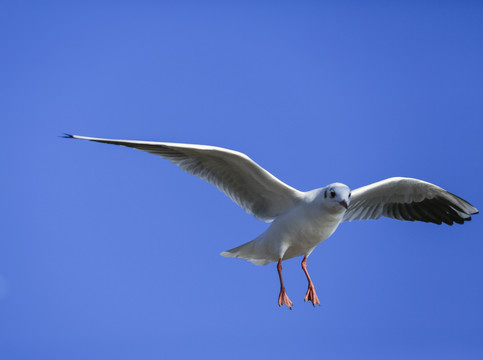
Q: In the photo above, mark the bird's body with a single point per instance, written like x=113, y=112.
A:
x=302, y=220
x=294, y=233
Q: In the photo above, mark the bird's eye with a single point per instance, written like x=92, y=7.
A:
x=332, y=193
x=350, y=195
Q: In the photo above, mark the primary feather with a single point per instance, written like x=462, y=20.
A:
x=408, y=199
x=249, y=185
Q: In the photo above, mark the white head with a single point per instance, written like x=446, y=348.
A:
x=336, y=196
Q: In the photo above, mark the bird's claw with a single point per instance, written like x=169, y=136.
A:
x=312, y=296
x=283, y=299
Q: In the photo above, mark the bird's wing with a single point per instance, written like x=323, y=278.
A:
x=249, y=185
x=408, y=199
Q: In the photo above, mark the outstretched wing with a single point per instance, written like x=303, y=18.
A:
x=249, y=185
x=408, y=199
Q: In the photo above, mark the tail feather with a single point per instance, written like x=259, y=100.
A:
x=252, y=251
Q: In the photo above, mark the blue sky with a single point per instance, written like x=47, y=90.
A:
x=107, y=252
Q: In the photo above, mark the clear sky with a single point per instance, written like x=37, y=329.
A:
x=111, y=253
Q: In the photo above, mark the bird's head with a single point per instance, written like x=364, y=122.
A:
x=336, y=196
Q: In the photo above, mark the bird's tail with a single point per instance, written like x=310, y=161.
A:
x=253, y=251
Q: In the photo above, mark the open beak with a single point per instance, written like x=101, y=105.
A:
x=344, y=204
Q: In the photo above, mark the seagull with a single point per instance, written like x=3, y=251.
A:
x=301, y=220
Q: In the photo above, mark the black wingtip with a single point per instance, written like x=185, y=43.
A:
x=67, y=136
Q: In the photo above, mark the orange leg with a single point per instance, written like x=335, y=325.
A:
x=282, y=298
x=311, y=295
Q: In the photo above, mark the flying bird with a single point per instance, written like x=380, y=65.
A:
x=301, y=220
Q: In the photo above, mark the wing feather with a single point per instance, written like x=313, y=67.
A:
x=249, y=185
x=408, y=200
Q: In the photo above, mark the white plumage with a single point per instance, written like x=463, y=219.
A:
x=302, y=220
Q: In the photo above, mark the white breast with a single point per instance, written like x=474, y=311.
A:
x=301, y=230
